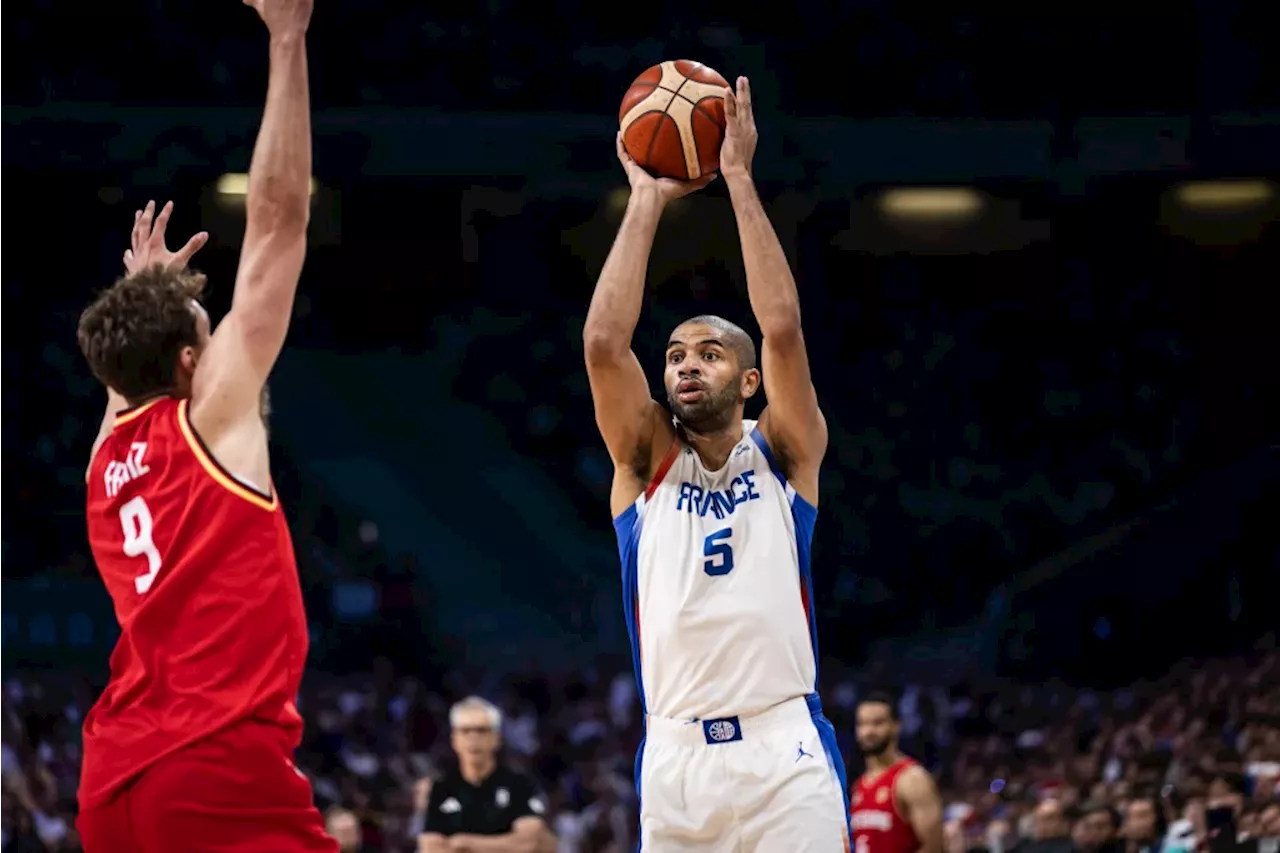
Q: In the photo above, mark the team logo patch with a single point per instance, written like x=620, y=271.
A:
x=450, y=806
x=502, y=798
x=536, y=806
x=722, y=730
x=882, y=796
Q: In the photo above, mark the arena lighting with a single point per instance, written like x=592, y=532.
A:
x=1224, y=195
x=237, y=184
x=930, y=202
x=618, y=199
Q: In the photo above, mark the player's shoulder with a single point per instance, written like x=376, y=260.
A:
x=913, y=779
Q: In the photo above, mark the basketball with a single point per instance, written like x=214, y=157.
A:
x=672, y=120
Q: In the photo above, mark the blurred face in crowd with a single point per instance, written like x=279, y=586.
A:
x=999, y=835
x=475, y=739
x=1093, y=831
x=877, y=729
x=953, y=840
x=1194, y=813
x=1221, y=795
x=344, y=829
x=1140, y=821
x=710, y=372
x=1049, y=822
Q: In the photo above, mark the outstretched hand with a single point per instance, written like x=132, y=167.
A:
x=668, y=189
x=147, y=247
x=283, y=17
x=740, y=135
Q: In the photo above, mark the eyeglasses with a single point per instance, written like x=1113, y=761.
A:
x=474, y=730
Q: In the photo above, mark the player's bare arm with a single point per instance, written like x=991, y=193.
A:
x=921, y=804
x=636, y=429
x=229, y=378
x=146, y=249
x=792, y=422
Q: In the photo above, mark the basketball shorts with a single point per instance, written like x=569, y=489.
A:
x=234, y=792
x=768, y=783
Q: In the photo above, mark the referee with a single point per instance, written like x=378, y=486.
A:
x=483, y=807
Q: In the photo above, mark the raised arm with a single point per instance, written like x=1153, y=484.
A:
x=792, y=422
x=628, y=417
x=231, y=374
x=922, y=806
x=146, y=248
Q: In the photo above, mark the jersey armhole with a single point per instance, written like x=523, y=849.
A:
x=664, y=467
x=220, y=475
x=798, y=504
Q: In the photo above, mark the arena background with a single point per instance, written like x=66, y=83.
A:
x=1049, y=369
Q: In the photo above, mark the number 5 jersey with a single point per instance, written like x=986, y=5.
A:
x=716, y=585
x=201, y=572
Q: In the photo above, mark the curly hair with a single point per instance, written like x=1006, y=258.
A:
x=133, y=332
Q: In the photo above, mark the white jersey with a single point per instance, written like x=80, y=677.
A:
x=716, y=585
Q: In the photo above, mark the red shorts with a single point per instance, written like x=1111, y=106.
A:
x=235, y=791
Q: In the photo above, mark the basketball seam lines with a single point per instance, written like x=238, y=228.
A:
x=697, y=105
x=653, y=140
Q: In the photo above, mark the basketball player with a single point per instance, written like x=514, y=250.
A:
x=189, y=747
x=714, y=517
x=896, y=807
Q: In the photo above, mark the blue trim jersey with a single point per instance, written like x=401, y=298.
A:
x=716, y=585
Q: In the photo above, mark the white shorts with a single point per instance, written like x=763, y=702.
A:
x=772, y=783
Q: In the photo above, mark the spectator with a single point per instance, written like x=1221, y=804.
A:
x=1051, y=833
x=1097, y=830
x=344, y=827
x=481, y=797
x=1144, y=827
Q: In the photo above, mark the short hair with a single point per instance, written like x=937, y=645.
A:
x=1237, y=783
x=1104, y=809
x=132, y=332
x=880, y=697
x=736, y=338
x=476, y=703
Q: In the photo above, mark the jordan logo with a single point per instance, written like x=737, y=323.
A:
x=800, y=751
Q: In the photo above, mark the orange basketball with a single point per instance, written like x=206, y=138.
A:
x=672, y=119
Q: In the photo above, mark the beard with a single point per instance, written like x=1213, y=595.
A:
x=875, y=748
x=712, y=412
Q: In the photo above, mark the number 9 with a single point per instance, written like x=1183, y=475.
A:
x=135, y=519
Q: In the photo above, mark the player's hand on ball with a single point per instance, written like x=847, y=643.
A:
x=146, y=244
x=283, y=17
x=666, y=188
x=740, y=135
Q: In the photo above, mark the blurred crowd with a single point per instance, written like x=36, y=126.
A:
x=1158, y=767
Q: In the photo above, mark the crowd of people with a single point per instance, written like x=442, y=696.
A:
x=1165, y=766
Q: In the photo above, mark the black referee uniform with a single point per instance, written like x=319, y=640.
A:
x=490, y=808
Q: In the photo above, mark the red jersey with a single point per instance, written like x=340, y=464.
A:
x=878, y=826
x=201, y=572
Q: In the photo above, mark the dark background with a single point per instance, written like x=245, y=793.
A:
x=1053, y=426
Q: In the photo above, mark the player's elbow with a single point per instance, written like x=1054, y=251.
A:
x=783, y=330
x=278, y=212
x=601, y=345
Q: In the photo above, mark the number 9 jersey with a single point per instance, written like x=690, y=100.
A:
x=716, y=585
x=201, y=572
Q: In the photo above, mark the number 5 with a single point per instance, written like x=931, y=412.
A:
x=135, y=518
x=715, y=548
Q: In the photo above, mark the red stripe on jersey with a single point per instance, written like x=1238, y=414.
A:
x=663, y=468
